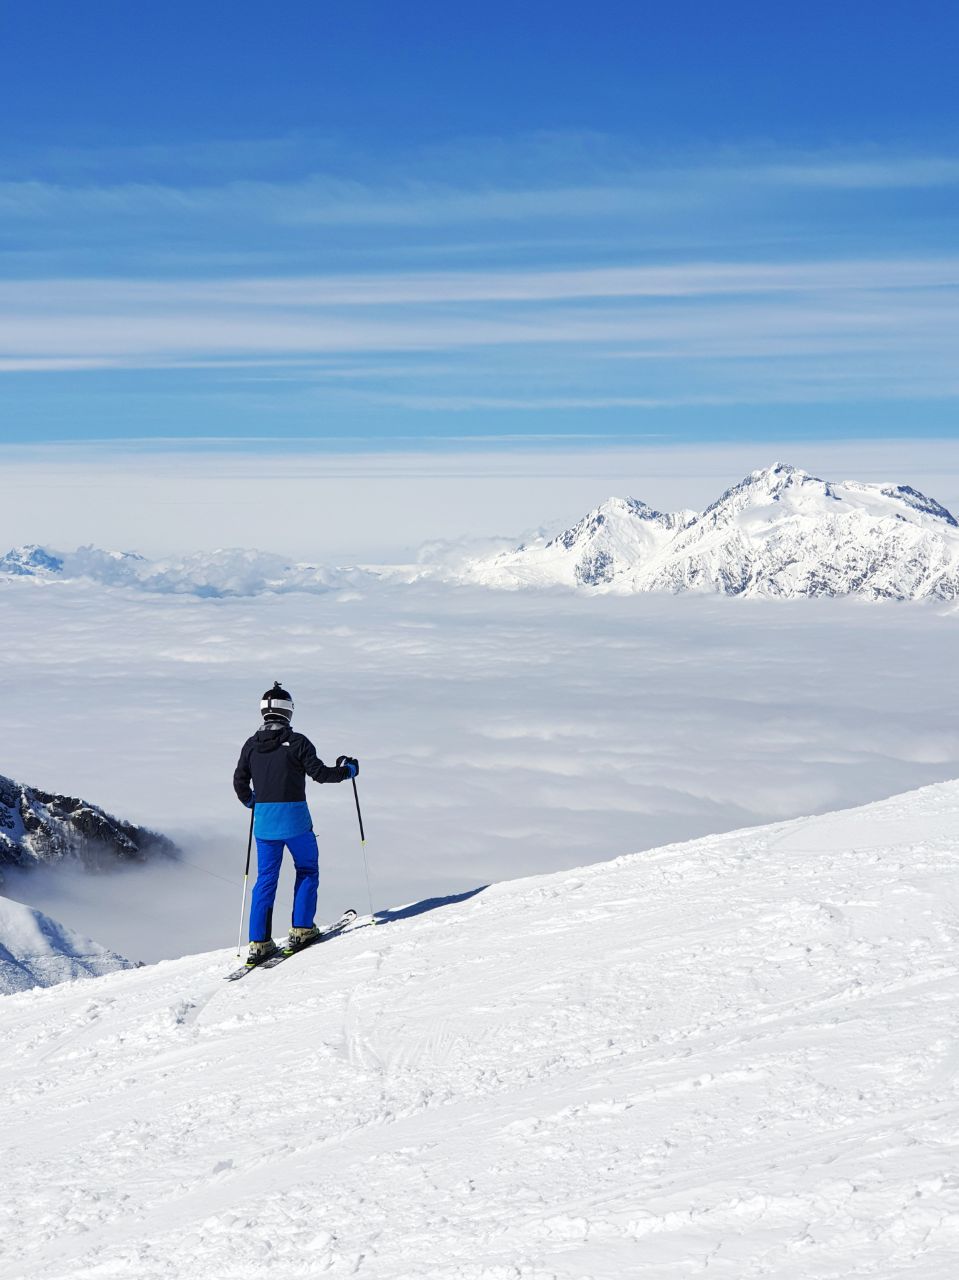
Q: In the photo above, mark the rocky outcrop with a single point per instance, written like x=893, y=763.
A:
x=43, y=828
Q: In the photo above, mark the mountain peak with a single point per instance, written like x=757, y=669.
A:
x=613, y=517
x=38, y=827
x=30, y=561
x=780, y=531
x=776, y=472
x=626, y=507
x=768, y=482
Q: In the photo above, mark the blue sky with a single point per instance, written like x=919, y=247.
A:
x=368, y=222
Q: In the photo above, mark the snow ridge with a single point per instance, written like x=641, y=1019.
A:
x=36, y=951
x=780, y=532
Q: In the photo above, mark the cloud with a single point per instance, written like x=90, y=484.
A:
x=56, y=364
x=567, y=178
x=329, y=201
x=493, y=740
x=704, y=273
x=683, y=311
x=813, y=389
x=856, y=174
x=625, y=280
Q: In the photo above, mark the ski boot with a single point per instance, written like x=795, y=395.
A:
x=260, y=951
x=301, y=936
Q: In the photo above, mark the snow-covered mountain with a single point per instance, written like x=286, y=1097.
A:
x=36, y=951
x=30, y=561
x=41, y=828
x=734, y=1057
x=229, y=572
x=780, y=532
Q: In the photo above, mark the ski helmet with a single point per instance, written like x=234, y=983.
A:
x=276, y=704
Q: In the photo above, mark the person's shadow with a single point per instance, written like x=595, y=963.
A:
x=428, y=904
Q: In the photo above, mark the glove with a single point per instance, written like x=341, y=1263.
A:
x=251, y=802
x=347, y=762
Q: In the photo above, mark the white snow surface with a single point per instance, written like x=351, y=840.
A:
x=734, y=1057
x=36, y=951
x=779, y=533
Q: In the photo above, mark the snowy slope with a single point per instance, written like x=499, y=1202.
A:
x=36, y=951
x=780, y=532
x=619, y=533
x=734, y=1057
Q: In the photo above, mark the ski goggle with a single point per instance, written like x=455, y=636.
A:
x=283, y=705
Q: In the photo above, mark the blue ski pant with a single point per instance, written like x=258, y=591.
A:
x=269, y=855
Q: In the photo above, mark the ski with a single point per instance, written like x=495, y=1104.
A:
x=337, y=927
x=345, y=920
x=243, y=971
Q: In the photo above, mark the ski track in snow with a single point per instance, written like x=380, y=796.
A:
x=735, y=1056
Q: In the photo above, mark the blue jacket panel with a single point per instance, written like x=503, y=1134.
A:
x=281, y=821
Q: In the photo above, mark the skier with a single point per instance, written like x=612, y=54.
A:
x=277, y=761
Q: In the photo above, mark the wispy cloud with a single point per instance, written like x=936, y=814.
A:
x=328, y=201
x=617, y=186
x=693, y=335
x=55, y=364
x=673, y=280
x=812, y=390
x=605, y=280
x=856, y=174
x=691, y=309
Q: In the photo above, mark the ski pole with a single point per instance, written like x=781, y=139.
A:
x=246, y=876
x=366, y=865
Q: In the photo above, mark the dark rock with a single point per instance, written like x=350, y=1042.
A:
x=40, y=828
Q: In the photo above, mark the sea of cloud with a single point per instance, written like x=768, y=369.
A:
x=500, y=734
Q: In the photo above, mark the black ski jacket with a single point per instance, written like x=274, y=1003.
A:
x=277, y=763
